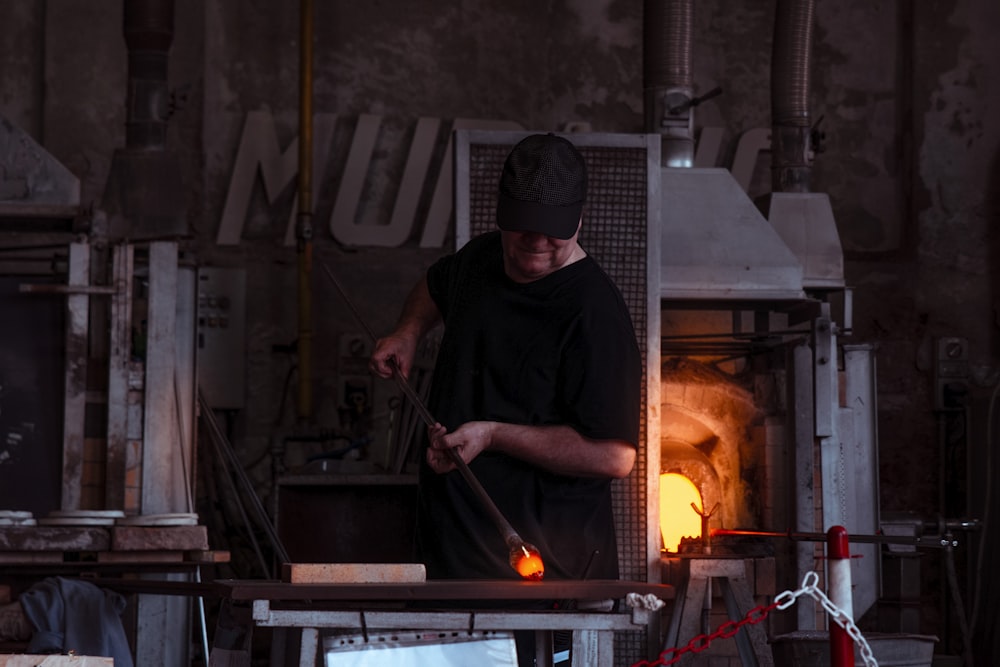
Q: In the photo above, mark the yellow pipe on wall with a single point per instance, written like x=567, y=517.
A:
x=304, y=230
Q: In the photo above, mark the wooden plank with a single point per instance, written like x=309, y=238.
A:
x=160, y=464
x=332, y=573
x=24, y=660
x=30, y=557
x=54, y=538
x=182, y=491
x=420, y=619
x=119, y=355
x=475, y=591
x=149, y=538
x=140, y=557
x=207, y=557
x=75, y=398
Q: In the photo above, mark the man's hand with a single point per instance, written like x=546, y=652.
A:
x=468, y=441
x=393, y=352
x=399, y=348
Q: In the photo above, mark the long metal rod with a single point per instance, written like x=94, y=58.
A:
x=933, y=541
x=510, y=535
x=232, y=464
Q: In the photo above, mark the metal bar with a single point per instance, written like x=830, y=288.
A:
x=803, y=501
x=231, y=463
x=197, y=589
x=202, y=625
x=67, y=289
x=936, y=541
x=309, y=647
x=861, y=399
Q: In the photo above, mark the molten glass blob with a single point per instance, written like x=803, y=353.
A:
x=526, y=560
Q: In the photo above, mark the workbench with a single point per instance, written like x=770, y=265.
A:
x=29, y=554
x=465, y=606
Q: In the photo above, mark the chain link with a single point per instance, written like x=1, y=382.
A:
x=843, y=619
x=758, y=614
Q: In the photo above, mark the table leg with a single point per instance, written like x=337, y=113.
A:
x=543, y=648
x=593, y=648
x=309, y=647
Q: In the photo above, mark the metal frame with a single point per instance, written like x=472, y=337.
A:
x=593, y=633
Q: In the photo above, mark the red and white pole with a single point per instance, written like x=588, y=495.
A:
x=838, y=572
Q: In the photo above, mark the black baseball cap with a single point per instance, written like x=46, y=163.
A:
x=542, y=187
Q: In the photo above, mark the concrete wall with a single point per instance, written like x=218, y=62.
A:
x=906, y=90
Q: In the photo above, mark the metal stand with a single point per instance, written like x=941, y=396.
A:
x=381, y=607
x=693, y=605
x=593, y=633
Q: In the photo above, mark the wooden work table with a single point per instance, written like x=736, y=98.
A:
x=143, y=554
x=467, y=605
x=471, y=590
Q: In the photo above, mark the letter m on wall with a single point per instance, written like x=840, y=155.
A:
x=259, y=148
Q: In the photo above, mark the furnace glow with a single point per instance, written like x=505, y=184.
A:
x=677, y=519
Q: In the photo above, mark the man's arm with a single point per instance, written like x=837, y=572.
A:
x=558, y=449
x=420, y=314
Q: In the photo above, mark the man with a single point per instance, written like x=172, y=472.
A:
x=536, y=383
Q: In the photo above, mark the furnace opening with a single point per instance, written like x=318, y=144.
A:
x=680, y=504
x=710, y=438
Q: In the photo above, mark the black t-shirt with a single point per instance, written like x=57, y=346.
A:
x=560, y=350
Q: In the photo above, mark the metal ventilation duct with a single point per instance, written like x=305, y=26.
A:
x=716, y=244
x=667, y=31
x=144, y=197
x=803, y=219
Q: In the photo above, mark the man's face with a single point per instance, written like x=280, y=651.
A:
x=528, y=256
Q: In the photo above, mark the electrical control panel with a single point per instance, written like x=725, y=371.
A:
x=951, y=374
x=221, y=350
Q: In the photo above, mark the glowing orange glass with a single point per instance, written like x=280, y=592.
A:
x=527, y=561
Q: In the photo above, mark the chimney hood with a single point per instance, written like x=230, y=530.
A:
x=718, y=247
x=804, y=220
x=37, y=193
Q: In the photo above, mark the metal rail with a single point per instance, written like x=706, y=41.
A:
x=930, y=541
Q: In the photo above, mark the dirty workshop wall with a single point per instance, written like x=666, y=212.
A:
x=903, y=93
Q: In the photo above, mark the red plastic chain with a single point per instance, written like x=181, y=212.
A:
x=702, y=642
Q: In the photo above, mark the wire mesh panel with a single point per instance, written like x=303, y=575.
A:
x=621, y=231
